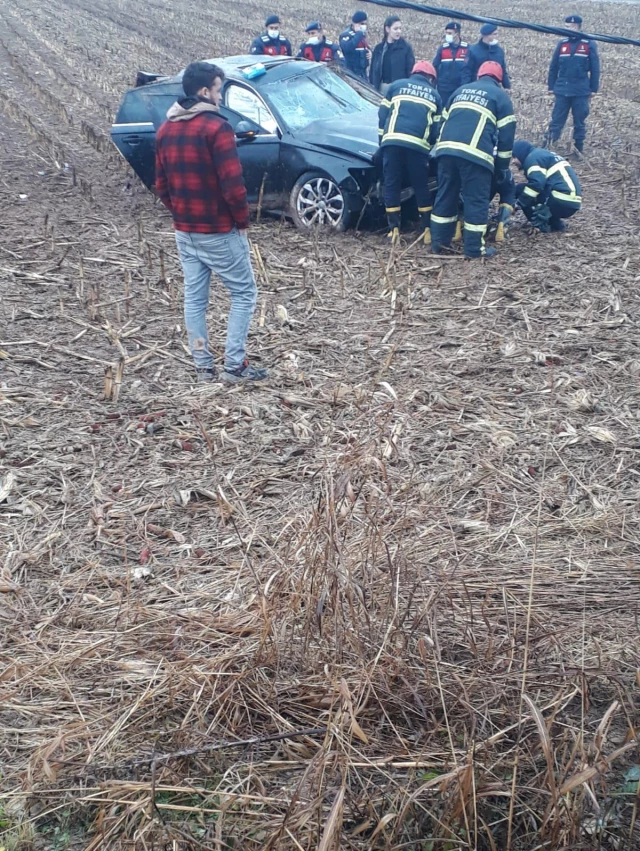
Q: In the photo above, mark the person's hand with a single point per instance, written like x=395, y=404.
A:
x=243, y=231
x=369, y=55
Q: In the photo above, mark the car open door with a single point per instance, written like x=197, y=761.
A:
x=259, y=153
x=134, y=134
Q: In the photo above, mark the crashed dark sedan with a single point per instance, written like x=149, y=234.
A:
x=307, y=135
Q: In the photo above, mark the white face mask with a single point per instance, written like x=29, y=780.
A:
x=314, y=40
x=363, y=28
x=449, y=38
x=493, y=41
x=273, y=33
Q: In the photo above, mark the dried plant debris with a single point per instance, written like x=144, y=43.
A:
x=388, y=600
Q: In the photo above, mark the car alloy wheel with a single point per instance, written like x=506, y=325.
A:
x=320, y=201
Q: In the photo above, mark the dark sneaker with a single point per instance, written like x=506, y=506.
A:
x=205, y=375
x=577, y=153
x=244, y=372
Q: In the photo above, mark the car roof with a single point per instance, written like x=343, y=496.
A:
x=277, y=67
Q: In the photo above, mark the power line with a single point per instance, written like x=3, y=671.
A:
x=501, y=22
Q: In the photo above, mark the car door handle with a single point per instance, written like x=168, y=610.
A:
x=132, y=140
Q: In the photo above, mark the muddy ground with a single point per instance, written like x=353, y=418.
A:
x=414, y=552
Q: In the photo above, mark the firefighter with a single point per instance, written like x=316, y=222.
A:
x=317, y=47
x=355, y=47
x=574, y=78
x=270, y=42
x=552, y=191
x=408, y=121
x=487, y=49
x=478, y=119
x=449, y=61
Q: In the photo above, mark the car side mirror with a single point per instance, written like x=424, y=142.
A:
x=245, y=130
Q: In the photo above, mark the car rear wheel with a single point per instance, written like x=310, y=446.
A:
x=317, y=201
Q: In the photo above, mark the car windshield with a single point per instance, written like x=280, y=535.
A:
x=317, y=95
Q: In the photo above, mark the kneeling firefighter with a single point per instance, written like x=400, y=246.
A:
x=552, y=192
x=408, y=122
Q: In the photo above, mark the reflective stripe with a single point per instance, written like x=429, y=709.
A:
x=424, y=209
x=476, y=108
x=505, y=155
x=393, y=209
x=443, y=220
x=385, y=102
x=413, y=99
x=568, y=199
x=443, y=146
x=416, y=141
x=478, y=131
x=533, y=193
x=475, y=228
x=536, y=168
x=510, y=119
x=562, y=168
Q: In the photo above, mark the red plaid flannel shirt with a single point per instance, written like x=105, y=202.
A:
x=199, y=175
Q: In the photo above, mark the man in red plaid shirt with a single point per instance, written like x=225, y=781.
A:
x=199, y=179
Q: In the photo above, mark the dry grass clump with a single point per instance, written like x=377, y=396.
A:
x=387, y=601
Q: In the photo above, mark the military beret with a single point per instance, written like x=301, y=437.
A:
x=573, y=19
x=453, y=25
x=487, y=29
x=314, y=25
x=272, y=19
x=359, y=18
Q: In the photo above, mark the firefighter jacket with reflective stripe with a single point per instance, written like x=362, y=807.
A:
x=549, y=175
x=479, y=120
x=449, y=62
x=355, y=47
x=265, y=46
x=326, y=51
x=575, y=68
x=409, y=115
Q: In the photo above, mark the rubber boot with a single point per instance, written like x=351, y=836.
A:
x=393, y=219
x=425, y=222
x=577, y=152
x=504, y=214
x=457, y=237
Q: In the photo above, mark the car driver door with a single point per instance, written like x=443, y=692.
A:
x=259, y=153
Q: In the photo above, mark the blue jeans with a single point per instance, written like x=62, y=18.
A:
x=226, y=254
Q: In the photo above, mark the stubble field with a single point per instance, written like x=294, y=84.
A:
x=389, y=600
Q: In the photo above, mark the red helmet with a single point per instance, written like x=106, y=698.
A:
x=491, y=69
x=426, y=68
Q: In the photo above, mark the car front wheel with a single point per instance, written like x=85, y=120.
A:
x=317, y=201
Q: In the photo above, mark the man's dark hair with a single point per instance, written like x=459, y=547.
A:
x=199, y=74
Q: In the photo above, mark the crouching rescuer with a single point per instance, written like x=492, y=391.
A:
x=552, y=192
x=408, y=121
x=478, y=120
x=199, y=179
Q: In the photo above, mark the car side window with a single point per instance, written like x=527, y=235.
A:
x=158, y=104
x=248, y=104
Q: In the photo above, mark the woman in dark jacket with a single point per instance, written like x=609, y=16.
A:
x=393, y=58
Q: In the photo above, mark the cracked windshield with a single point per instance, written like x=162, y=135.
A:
x=318, y=95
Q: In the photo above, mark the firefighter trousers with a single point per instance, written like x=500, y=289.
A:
x=400, y=165
x=458, y=176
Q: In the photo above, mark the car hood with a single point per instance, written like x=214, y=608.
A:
x=356, y=135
